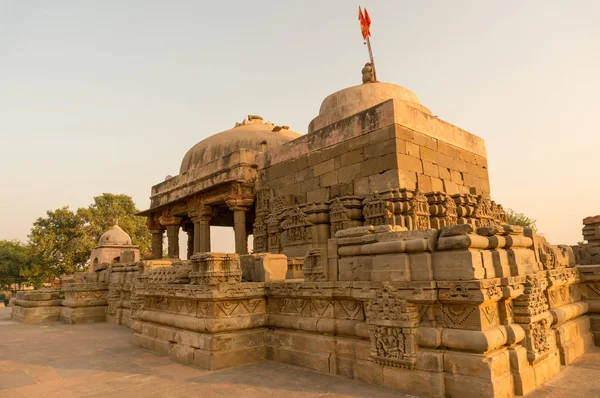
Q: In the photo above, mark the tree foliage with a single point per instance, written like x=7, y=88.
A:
x=514, y=218
x=62, y=241
x=60, y=244
x=14, y=257
x=109, y=209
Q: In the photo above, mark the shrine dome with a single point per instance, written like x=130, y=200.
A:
x=115, y=237
x=355, y=99
x=252, y=134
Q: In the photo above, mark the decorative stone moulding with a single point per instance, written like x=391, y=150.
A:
x=215, y=268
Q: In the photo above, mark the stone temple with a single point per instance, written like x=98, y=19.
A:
x=378, y=255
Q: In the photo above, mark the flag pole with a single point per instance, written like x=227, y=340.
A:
x=372, y=60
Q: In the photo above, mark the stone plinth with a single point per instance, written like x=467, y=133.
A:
x=84, y=303
x=210, y=327
x=37, y=306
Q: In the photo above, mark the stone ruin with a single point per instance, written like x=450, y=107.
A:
x=379, y=255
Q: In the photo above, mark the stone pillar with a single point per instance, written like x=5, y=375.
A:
x=157, y=230
x=172, y=224
x=201, y=218
x=189, y=229
x=239, y=204
x=239, y=227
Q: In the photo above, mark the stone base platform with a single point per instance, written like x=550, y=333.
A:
x=210, y=352
x=35, y=362
x=83, y=314
x=37, y=306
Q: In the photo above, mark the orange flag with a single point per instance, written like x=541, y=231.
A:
x=365, y=23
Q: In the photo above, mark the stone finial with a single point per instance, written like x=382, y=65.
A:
x=251, y=118
x=277, y=129
x=367, y=73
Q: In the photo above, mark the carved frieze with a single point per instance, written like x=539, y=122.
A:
x=392, y=328
x=376, y=211
x=296, y=228
x=215, y=268
x=313, y=267
x=484, y=213
x=442, y=209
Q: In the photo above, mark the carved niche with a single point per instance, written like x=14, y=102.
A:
x=419, y=211
x=345, y=213
x=296, y=228
x=393, y=328
x=483, y=211
x=499, y=213
x=260, y=235
x=442, y=209
x=530, y=310
x=312, y=268
x=376, y=211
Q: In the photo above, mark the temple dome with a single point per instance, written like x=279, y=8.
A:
x=115, y=237
x=355, y=99
x=252, y=134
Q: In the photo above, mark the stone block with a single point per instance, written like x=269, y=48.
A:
x=368, y=372
x=400, y=146
x=381, y=134
x=83, y=314
x=318, y=195
x=361, y=186
x=430, y=169
x=424, y=183
x=410, y=163
x=36, y=314
x=437, y=184
x=329, y=179
x=547, y=368
x=242, y=356
x=407, y=179
x=413, y=150
x=270, y=267
x=413, y=381
x=318, y=361
x=428, y=155
x=348, y=173
x=444, y=173
x=485, y=366
x=456, y=384
x=421, y=268
x=391, y=267
x=384, y=181
x=352, y=157
x=324, y=167
x=457, y=265
x=501, y=264
x=378, y=164
x=430, y=360
x=450, y=187
x=456, y=176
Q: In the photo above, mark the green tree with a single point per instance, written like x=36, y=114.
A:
x=109, y=209
x=14, y=258
x=62, y=241
x=59, y=245
x=514, y=218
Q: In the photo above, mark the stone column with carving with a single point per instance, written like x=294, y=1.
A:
x=201, y=217
x=172, y=223
x=239, y=204
x=157, y=231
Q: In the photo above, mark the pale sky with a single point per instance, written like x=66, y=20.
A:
x=107, y=96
